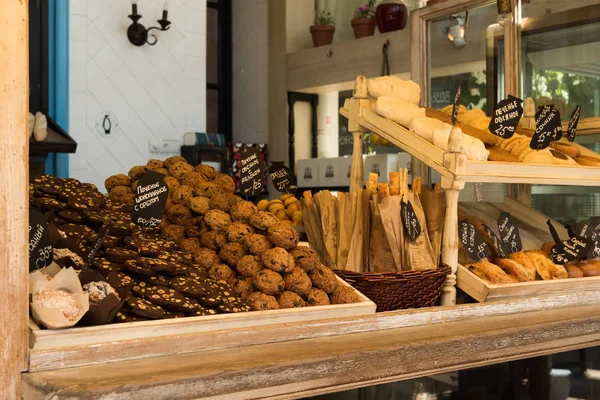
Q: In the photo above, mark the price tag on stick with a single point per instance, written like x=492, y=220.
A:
x=509, y=232
x=40, y=249
x=251, y=172
x=571, y=250
x=553, y=232
x=472, y=240
x=506, y=117
x=497, y=244
x=456, y=106
x=282, y=178
x=572, y=129
x=547, y=128
x=96, y=247
x=150, y=200
x=410, y=221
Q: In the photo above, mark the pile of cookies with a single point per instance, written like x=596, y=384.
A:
x=153, y=278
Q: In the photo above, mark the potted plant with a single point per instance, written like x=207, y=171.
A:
x=364, y=20
x=323, y=29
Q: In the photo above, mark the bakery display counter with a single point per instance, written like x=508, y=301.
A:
x=303, y=359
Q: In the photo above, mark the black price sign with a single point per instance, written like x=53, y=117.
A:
x=572, y=129
x=553, y=232
x=506, y=117
x=571, y=250
x=509, y=232
x=282, y=178
x=593, y=233
x=96, y=247
x=473, y=241
x=497, y=244
x=547, y=128
x=251, y=172
x=410, y=221
x=40, y=249
x=150, y=200
x=456, y=106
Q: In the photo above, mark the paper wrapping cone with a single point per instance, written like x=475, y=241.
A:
x=312, y=224
x=419, y=253
x=389, y=209
x=327, y=207
x=380, y=252
x=106, y=310
x=66, y=279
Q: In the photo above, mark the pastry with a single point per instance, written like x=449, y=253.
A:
x=268, y=282
x=212, y=239
x=498, y=154
x=588, y=161
x=512, y=269
x=259, y=302
x=117, y=180
x=317, y=297
x=490, y=273
x=60, y=300
x=545, y=267
x=297, y=281
x=567, y=148
x=283, y=235
x=395, y=87
x=242, y=211
x=278, y=260
x=199, y=205
x=343, y=295
x=262, y=220
x=249, y=266
x=524, y=261
x=290, y=300
x=238, y=231
x=232, y=252
x=574, y=270
x=323, y=278
x=98, y=291
x=398, y=110
x=217, y=220
x=591, y=268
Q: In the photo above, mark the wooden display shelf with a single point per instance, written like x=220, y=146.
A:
x=472, y=171
x=53, y=348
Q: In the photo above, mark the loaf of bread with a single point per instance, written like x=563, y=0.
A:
x=574, y=271
x=424, y=127
x=398, y=110
x=498, y=154
x=391, y=86
x=522, y=259
x=490, y=273
x=513, y=269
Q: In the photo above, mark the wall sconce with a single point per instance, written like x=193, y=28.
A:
x=456, y=30
x=138, y=34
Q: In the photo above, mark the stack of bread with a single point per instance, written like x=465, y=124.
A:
x=286, y=208
x=252, y=250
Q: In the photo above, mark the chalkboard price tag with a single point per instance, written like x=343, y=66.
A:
x=497, y=244
x=410, y=221
x=251, y=172
x=583, y=229
x=593, y=232
x=96, y=247
x=572, y=129
x=571, y=250
x=506, y=117
x=509, y=232
x=456, y=106
x=547, y=128
x=553, y=232
x=472, y=240
x=40, y=249
x=282, y=178
x=150, y=200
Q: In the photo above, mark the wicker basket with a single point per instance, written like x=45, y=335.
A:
x=399, y=290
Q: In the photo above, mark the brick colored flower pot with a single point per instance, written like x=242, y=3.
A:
x=322, y=35
x=363, y=27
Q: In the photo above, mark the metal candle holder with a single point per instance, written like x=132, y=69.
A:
x=138, y=34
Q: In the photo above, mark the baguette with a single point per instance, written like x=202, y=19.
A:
x=394, y=178
x=513, y=269
x=498, y=154
x=490, y=273
x=588, y=161
x=523, y=260
x=567, y=148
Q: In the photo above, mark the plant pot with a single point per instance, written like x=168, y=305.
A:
x=322, y=35
x=363, y=27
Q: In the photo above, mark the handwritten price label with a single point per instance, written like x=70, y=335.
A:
x=506, y=117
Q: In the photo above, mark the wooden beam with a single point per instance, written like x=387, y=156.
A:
x=14, y=148
x=328, y=364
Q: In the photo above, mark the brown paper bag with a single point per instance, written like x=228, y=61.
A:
x=389, y=209
x=380, y=252
x=419, y=253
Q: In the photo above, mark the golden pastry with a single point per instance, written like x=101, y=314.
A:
x=523, y=260
x=545, y=267
x=490, y=273
x=513, y=269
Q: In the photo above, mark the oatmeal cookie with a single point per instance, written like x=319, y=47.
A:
x=249, y=266
x=323, y=278
x=243, y=287
x=237, y=232
x=179, y=214
x=242, y=210
x=305, y=258
x=190, y=245
x=262, y=220
x=175, y=233
x=174, y=160
x=154, y=163
x=121, y=193
x=343, y=295
x=206, y=258
x=207, y=171
x=260, y=302
x=172, y=183
x=257, y=243
x=178, y=170
x=317, y=297
x=181, y=194
x=193, y=227
x=231, y=253
x=217, y=220
x=278, y=260
x=137, y=172
x=290, y=300
x=207, y=189
x=221, y=272
x=193, y=179
x=212, y=239
x=199, y=205
x=117, y=180
x=223, y=201
x=268, y=282
x=297, y=281
x=225, y=182
x=283, y=235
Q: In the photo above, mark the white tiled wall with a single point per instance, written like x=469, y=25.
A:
x=155, y=92
x=250, y=71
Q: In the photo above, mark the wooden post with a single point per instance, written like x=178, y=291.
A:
x=14, y=148
x=359, y=100
x=455, y=162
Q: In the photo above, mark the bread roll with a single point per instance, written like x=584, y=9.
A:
x=591, y=268
x=567, y=148
x=546, y=247
x=490, y=273
x=561, y=158
x=398, y=110
x=574, y=271
x=522, y=259
x=475, y=149
x=470, y=116
x=513, y=269
x=588, y=161
x=424, y=127
x=497, y=154
x=545, y=267
x=539, y=157
x=391, y=86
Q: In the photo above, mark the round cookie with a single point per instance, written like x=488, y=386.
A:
x=259, y=302
x=297, y=281
x=217, y=220
x=249, y=266
x=199, y=205
x=243, y=287
x=221, y=272
x=193, y=179
x=223, y=201
x=235, y=306
x=262, y=220
x=257, y=243
x=178, y=170
x=144, y=308
x=117, y=180
x=283, y=235
x=226, y=183
x=84, y=202
x=181, y=194
x=268, y=282
x=290, y=300
x=212, y=239
x=278, y=259
x=154, y=163
x=206, y=258
x=173, y=160
x=242, y=210
x=120, y=193
x=317, y=297
x=305, y=258
x=207, y=171
x=179, y=214
x=231, y=253
x=189, y=286
x=323, y=278
x=207, y=189
x=171, y=182
x=137, y=172
x=238, y=231
x=343, y=295
x=190, y=245
x=175, y=233
x=162, y=171
x=193, y=227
